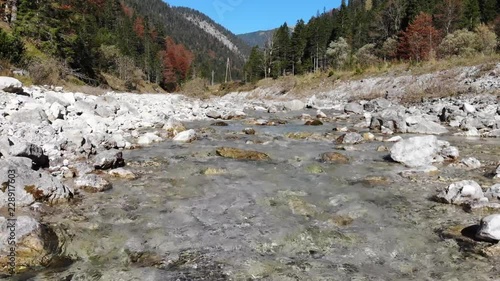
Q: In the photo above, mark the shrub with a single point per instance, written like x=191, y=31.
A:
x=461, y=43
x=487, y=39
x=47, y=72
x=11, y=48
x=366, y=55
x=339, y=51
x=389, y=49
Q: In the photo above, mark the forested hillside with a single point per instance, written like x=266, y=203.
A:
x=363, y=33
x=104, y=41
x=258, y=38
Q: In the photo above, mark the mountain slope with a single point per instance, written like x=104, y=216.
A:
x=257, y=38
x=211, y=43
x=122, y=43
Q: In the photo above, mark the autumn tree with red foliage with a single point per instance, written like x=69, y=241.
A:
x=139, y=27
x=127, y=10
x=419, y=40
x=176, y=62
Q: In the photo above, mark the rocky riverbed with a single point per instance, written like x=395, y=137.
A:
x=249, y=186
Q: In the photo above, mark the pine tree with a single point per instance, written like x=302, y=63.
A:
x=488, y=10
x=297, y=47
x=280, y=51
x=472, y=14
x=254, y=68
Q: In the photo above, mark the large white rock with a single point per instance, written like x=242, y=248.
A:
x=294, y=105
x=31, y=186
x=186, y=136
x=489, y=229
x=10, y=85
x=148, y=138
x=469, y=108
x=465, y=191
x=493, y=192
x=420, y=125
x=416, y=151
x=36, y=244
x=353, y=107
x=65, y=99
x=471, y=163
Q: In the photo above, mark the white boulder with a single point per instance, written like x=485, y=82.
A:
x=186, y=136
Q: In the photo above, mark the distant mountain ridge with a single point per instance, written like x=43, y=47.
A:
x=257, y=38
x=260, y=38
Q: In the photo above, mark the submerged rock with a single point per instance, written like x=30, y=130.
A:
x=249, y=131
x=489, y=229
x=122, y=173
x=466, y=191
x=213, y=171
x=299, y=135
x=220, y=124
x=174, y=127
x=313, y=123
x=334, y=157
x=92, y=183
x=240, y=154
x=471, y=163
x=315, y=169
x=350, y=138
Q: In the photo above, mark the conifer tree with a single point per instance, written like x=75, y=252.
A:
x=297, y=47
x=255, y=67
x=472, y=14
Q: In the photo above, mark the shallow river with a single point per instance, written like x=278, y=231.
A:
x=289, y=218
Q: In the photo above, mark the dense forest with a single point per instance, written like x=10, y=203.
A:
x=96, y=41
x=364, y=33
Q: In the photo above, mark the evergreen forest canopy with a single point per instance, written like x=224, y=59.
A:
x=133, y=40
x=364, y=33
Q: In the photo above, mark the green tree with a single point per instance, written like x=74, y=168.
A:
x=254, y=68
x=339, y=51
x=472, y=14
x=488, y=10
x=297, y=47
x=11, y=48
x=280, y=51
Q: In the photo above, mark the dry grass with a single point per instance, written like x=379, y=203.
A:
x=88, y=90
x=197, y=87
x=46, y=72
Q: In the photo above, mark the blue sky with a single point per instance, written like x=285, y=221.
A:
x=242, y=16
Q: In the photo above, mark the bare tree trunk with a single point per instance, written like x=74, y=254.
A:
x=13, y=15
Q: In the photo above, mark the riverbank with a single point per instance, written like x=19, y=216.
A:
x=74, y=152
